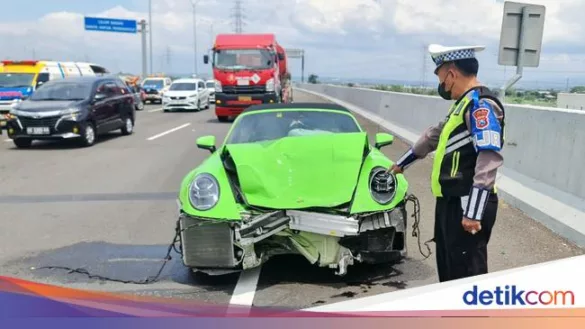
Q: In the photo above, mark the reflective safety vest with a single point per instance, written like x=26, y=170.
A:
x=456, y=156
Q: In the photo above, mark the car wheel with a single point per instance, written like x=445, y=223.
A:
x=222, y=118
x=140, y=106
x=198, y=105
x=22, y=142
x=88, y=135
x=128, y=128
x=208, y=104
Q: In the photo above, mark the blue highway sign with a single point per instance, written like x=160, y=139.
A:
x=110, y=25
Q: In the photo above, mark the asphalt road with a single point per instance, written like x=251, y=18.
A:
x=111, y=210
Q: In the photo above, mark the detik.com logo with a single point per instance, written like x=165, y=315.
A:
x=512, y=295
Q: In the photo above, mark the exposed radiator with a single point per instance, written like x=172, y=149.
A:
x=207, y=245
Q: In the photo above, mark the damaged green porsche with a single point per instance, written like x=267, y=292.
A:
x=296, y=178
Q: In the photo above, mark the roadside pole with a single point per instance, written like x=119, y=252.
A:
x=143, y=35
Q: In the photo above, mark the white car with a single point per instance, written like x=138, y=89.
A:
x=154, y=88
x=186, y=94
x=210, y=84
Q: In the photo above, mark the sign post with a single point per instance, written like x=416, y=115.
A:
x=520, y=39
x=101, y=24
x=298, y=53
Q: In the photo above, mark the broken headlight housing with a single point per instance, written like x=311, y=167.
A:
x=382, y=185
x=204, y=192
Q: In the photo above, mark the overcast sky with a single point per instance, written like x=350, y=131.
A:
x=375, y=39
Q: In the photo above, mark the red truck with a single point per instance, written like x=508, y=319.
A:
x=248, y=69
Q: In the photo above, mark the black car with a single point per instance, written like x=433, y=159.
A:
x=81, y=108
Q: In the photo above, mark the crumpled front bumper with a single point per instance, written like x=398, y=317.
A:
x=324, y=239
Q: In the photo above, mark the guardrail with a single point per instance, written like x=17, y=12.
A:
x=544, y=152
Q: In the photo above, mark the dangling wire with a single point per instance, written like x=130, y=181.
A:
x=416, y=225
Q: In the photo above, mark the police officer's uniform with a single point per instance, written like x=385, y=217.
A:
x=467, y=148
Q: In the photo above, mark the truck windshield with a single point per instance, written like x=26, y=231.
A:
x=16, y=80
x=241, y=59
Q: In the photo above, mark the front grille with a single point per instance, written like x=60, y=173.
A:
x=151, y=91
x=42, y=122
x=244, y=89
x=175, y=97
x=207, y=245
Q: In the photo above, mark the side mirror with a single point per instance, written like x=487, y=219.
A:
x=206, y=59
x=280, y=56
x=206, y=143
x=99, y=97
x=383, y=139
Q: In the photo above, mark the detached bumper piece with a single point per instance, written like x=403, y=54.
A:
x=328, y=240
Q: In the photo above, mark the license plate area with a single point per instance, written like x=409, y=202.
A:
x=38, y=130
x=245, y=98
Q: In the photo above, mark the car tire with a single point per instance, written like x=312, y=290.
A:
x=208, y=104
x=22, y=143
x=128, y=127
x=198, y=106
x=222, y=118
x=88, y=135
x=140, y=106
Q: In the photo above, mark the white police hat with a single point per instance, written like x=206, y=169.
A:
x=441, y=54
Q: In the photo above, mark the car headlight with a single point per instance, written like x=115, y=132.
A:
x=204, y=192
x=71, y=111
x=382, y=185
x=218, y=86
x=270, y=84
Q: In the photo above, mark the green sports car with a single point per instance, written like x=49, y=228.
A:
x=298, y=178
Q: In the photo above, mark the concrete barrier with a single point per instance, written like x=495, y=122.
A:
x=544, y=152
x=571, y=101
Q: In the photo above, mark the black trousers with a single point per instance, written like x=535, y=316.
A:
x=459, y=253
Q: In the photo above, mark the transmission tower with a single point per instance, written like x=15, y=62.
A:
x=238, y=16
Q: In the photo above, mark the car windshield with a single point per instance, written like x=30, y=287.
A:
x=239, y=59
x=62, y=90
x=210, y=84
x=152, y=83
x=183, y=86
x=15, y=80
x=264, y=126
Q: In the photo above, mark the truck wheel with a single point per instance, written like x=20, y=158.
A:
x=222, y=118
x=22, y=142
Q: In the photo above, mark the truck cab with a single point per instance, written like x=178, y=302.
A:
x=247, y=70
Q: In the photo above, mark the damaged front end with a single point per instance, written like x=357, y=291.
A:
x=326, y=240
x=340, y=208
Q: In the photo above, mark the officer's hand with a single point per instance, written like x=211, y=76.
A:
x=471, y=226
x=395, y=169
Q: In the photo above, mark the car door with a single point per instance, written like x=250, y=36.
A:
x=115, y=100
x=101, y=107
x=124, y=104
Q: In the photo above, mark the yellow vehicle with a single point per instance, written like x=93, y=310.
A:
x=19, y=79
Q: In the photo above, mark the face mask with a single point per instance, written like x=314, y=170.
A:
x=446, y=95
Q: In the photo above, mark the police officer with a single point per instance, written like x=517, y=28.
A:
x=467, y=147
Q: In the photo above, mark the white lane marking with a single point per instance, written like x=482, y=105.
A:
x=155, y=110
x=168, y=131
x=244, y=292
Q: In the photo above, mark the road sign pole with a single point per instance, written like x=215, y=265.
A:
x=520, y=60
x=303, y=68
x=143, y=36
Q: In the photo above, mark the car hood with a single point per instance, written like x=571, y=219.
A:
x=180, y=93
x=300, y=172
